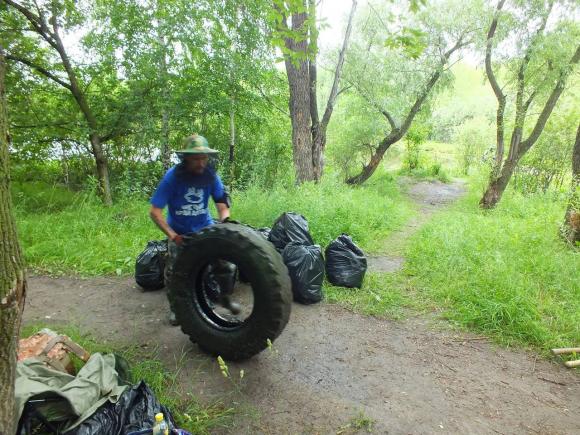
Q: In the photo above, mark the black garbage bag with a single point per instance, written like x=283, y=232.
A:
x=306, y=268
x=150, y=265
x=135, y=410
x=290, y=227
x=264, y=231
x=346, y=263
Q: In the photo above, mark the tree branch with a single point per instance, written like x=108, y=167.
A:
x=62, y=124
x=312, y=71
x=500, y=96
x=346, y=88
x=338, y=71
x=488, y=48
x=274, y=105
x=391, y=120
x=427, y=90
x=549, y=106
x=40, y=69
x=36, y=22
x=521, y=106
x=374, y=104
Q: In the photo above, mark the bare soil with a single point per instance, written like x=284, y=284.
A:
x=336, y=372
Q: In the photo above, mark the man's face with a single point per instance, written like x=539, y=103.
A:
x=196, y=163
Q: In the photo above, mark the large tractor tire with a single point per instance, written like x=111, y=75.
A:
x=227, y=335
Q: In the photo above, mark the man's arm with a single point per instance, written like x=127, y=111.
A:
x=156, y=215
x=223, y=210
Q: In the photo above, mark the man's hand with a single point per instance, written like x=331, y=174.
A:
x=228, y=220
x=177, y=239
x=223, y=211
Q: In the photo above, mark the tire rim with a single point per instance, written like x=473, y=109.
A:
x=211, y=309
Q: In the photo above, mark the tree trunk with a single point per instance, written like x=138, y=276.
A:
x=102, y=168
x=497, y=185
x=499, y=151
x=65, y=169
x=319, y=127
x=572, y=218
x=232, y=132
x=12, y=277
x=318, y=145
x=308, y=131
x=232, y=143
x=299, y=104
x=165, y=148
x=518, y=146
x=369, y=169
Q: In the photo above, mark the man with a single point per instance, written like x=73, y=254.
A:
x=185, y=190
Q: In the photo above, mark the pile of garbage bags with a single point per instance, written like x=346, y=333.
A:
x=98, y=400
x=345, y=263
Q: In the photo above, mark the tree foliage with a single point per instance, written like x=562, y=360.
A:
x=537, y=42
x=152, y=72
x=397, y=69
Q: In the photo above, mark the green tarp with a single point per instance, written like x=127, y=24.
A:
x=94, y=384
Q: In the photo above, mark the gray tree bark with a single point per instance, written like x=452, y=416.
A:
x=12, y=276
x=572, y=218
x=308, y=130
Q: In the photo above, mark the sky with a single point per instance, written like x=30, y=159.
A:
x=334, y=13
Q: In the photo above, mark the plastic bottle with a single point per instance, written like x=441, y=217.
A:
x=161, y=427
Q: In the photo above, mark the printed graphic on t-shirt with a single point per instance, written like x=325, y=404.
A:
x=195, y=203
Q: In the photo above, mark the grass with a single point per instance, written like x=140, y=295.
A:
x=504, y=273
x=368, y=213
x=81, y=236
x=188, y=412
x=383, y=294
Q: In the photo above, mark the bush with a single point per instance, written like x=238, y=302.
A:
x=433, y=172
x=473, y=137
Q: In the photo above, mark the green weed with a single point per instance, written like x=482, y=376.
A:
x=357, y=424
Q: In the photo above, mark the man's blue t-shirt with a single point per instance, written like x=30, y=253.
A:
x=186, y=197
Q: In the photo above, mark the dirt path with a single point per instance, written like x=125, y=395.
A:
x=428, y=197
x=332, y=367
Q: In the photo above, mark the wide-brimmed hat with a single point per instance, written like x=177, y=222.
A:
x=196, y=144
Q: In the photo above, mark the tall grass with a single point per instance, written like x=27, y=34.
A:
x=504, y=272
x=368, y=213
x=79, y=235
